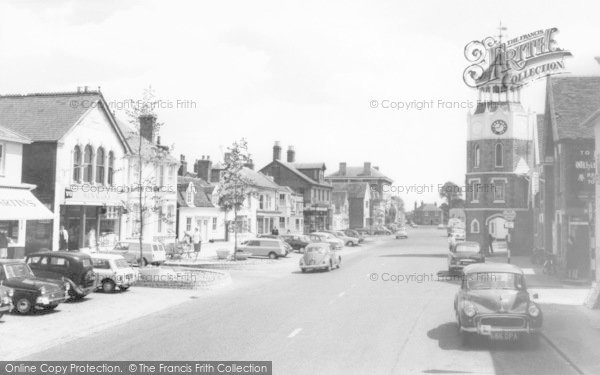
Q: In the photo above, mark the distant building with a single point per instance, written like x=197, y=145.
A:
x=427, y=214
x=377, y=183
x=307, y=180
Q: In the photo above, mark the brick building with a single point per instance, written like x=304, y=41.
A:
x=427, y=214
x=307, y=180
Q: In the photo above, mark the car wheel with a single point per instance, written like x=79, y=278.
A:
x=272, y=255
x=24, y=305
x=108, y=286
x=349, y=243
x=330, y=266
x=1, y=314
x=123, y=288
x=303, y=270
x=144, y=262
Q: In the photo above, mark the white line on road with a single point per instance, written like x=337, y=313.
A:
x=294, y=332
x=341, y=294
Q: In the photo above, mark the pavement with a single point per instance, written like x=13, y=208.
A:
x=569, y=326
x=383, y=312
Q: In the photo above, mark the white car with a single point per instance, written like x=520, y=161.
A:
x=152, y=252
x=335, y=242
x=348, y=240
x=454, y=238
x=266, y=247
x=112, y=271
x=401, y=233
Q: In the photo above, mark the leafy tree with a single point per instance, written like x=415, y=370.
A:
x=234, y=188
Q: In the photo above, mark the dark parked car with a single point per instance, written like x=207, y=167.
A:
x=6, y=295
x=464, y=253
x=381, y=230
x=493, y=301
x=74, y=267
x=31, y=291
x=296, y=241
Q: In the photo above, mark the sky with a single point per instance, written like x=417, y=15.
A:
x=304, y=73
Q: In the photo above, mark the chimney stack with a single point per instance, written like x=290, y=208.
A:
x=291, y=155
x=276, y=151
x=343, y=169
x=148, y=127
x=203, y=168
x=367, y=168
x=183, y=166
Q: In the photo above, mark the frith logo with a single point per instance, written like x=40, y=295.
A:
x=515, y=62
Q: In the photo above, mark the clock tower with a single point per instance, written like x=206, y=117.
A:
x=500, y=134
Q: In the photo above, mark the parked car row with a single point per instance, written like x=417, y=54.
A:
x=298, y=242
x=45, y=279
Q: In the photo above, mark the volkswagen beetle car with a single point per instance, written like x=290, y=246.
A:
x=348, y=240
x=401, y=233
x=354, y=233
x=30, y=291
x=319, y=256
x=112, y=271
x=464, y=253
x=493, y=301
x=71, y=266
x=6, y=295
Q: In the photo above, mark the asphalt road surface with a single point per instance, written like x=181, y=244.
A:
x=385, y=311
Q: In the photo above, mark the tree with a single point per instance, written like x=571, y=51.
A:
x=150, y=197
x=234, y=188
x=452, y=193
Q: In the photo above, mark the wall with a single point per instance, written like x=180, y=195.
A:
x=12, y=163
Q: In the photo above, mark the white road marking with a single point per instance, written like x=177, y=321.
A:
x=294, y=332
x=341, y=294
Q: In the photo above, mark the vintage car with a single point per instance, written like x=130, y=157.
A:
x=296, y=241
x=336, y=243
x=493, y=301
x=464, y=254
x=401, y=233
x=348, y=240
x=72, y=266
x=112, y=271
x=6, y=295
x=354, y=233
x=30, y=291
x=265, y=247
x=152, y=252
x=455, y=237
x=319, y=256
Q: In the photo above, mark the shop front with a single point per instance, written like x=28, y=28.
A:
x=92, y=219
x=317, y=218
x=17, y=206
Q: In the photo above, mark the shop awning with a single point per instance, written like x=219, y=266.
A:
x=20, y=204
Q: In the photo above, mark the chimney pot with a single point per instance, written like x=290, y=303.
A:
x=148, y=127
x=291, y=155
x=343, y=169
x=367, y=168
x=276, y=151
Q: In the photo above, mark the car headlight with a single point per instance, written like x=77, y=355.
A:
x=469, y=309
x=11, y=292
x=533, y=310
x=67, y=286
x=43, y=290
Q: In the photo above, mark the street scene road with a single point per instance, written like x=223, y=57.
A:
x=355, y=320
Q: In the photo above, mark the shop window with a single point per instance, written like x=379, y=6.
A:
x=188, y=224
x=281, y=222
x=214, y=223
x=88, y=166
x=499, y=155
x=100, y=166
x=111, y=168
x=77, y=164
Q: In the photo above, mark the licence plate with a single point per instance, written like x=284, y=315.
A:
x=508, y=336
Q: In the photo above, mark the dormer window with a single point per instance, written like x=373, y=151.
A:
x=189, y=195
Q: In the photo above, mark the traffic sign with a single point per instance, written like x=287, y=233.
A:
x=509, y=215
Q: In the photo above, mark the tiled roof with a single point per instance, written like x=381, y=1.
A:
x=258, y=179
x=354, y=172
x=201, y=199
x=292, y=167
x=13, y=136
x=45, y=117
x=354, y=189
x=572, y=99
x=132, y=137
x=308, y=165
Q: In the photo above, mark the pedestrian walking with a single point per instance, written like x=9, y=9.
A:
x=63, y=239
x=491, y=243
x=197, y=239
x=3, y=245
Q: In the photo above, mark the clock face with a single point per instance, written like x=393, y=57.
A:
x=499, y=127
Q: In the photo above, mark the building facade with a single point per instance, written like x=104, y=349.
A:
x=18, y=206
x=427, y=214
x=359, y=203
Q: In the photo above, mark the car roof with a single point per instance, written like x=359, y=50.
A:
x=67, y=254
x=11, y=261
x=318, y=244
x=492, y=267
x=106, y=256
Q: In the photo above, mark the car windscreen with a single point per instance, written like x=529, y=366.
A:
x=316, y=249
x=86, y=262
x=121, y=263
x=101, y=263
x=17, y=270
x=495, y=280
